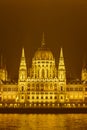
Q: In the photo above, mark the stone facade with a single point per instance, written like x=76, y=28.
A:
x=45, y=85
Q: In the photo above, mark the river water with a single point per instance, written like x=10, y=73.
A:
x=43, y=121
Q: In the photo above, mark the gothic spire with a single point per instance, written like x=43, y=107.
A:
x=84, y=62
x=61, y=69
x=23, y=67
x=61, y=53
x=23, y=55
x=23, y=60
x=61, y=59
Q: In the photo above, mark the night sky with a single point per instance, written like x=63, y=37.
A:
x=64, y=23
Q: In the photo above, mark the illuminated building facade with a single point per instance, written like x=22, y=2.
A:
x=3, y=71
x=45, y=85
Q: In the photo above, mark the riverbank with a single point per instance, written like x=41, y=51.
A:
x=43, y=110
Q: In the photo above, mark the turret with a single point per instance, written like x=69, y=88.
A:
x=84, y=72
x=22, y=87
x=3, y=71
x=22, y=68
x=61, y=70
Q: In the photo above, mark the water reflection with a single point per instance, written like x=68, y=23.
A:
x=43, y=121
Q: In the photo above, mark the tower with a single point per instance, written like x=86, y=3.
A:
x=62, y=76
x=3, y=71
x=61, y=69
x=22, y=68
x=22, y=78
x=84, y=72
x=43, y=63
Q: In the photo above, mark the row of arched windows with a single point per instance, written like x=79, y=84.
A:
x=55, y=97
x=42, y=86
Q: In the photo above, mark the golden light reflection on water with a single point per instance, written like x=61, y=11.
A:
x=43, y=121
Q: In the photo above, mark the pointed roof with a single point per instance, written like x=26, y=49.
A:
x=61, y=59
x=23, y=54
x=61, y=53
x=84, y=62
x=23, y=60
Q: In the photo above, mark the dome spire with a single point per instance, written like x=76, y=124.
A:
x=43, y=40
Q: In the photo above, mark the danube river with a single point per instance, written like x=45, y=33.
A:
x=43, y=121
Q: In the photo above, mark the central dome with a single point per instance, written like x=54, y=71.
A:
x=43, y=53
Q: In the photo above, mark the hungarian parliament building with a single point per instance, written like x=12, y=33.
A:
x=45, y=86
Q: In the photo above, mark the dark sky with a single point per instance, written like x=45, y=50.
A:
x=64, y=23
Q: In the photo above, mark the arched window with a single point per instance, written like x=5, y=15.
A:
x=51, y=97
x=37, y=97
x=61, y=88
x=37, y=86
x=46, y=97
x=61, y=97
x=43, y=73
x=32, y=97
x=22, y=97
x=55, y=86
x=41, y=97
x=55, y=97
x=42, y=87
x=28, y=97
x=28, y=87
x=22, y=88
